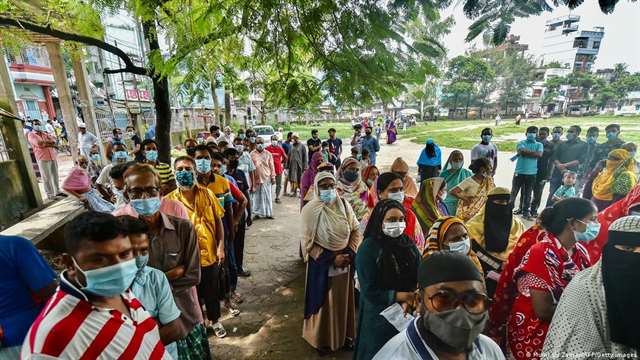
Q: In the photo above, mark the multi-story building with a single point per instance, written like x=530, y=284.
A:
x=32, y=80
x=569, y=46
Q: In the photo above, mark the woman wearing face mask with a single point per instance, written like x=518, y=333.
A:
x=387, y=267
x=430, y=161
x=351, y=187
x=596, y=312
x=616, y=180
x=390, y=186
x=472, y=192
x=494, y=232
x=428, y=206
x=330, y=241
x=78, y=184
x=546, y=270
x=450, y=234
x=454, y=174
x=401, y=168
x=308, y=177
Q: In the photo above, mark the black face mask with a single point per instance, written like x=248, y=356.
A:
x=191, y=151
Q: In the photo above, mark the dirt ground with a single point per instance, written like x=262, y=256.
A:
x=270, y=325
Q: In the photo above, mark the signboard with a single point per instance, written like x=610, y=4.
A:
x=141, y=94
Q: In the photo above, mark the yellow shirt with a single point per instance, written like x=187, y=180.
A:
x=220, y=188
x=202, y=214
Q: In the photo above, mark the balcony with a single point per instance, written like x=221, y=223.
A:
x=569, y=29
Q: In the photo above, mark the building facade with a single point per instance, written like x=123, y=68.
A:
x=566, y=44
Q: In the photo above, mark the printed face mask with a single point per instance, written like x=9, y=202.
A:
x=394, y=229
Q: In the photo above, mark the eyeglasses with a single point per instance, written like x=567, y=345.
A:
x=140, y=193
x=473, y=302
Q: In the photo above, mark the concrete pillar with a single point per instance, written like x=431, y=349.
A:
x=64, y=95
x=86, y=100
x=16, y=141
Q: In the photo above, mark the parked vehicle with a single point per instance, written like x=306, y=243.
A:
x=265, y=132
x=627, y=110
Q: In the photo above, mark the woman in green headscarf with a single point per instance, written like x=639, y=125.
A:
x=454, y=173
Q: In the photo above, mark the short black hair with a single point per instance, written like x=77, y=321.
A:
x=230, y=152
x=217, y=156
x=314, y=131
x=185, y=158
x=486, y=130
x=91, y=226
x=556, y=128
x=188, y=140
x=593, y=129
x=146, y=142
x=555, y=219
x=221, y=143
x=577, y=128
x=324, y=144
x=118, y=170
x=289, y=134
x=213, y=128
x=332, y=130
x=532, y=129
x=612, y=126
x=202, y=147
x=133, y=226
x=115, y=130
x=544, y=128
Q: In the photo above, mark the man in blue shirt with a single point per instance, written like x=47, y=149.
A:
x=26, y=283
x=529, y=151
x=370, y=143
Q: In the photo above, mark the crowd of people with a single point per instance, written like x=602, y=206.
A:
x=441, y=268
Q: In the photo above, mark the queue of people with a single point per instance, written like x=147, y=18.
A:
x=440, y=270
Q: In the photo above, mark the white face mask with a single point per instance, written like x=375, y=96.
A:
x=461, y=247
x=394, y=229
x=397, y=196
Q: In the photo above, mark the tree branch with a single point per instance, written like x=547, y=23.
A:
x=87, y=40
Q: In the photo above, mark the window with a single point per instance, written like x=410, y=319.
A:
x=580, y=42
x=596, y=45
x=32, y=110
x=537, y=92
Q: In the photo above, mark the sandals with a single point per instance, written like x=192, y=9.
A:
x=219, y=330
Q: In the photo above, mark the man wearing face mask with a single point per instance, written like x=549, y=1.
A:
x=94, y=313
x=613, y=142
x=529, y=151
x=150, y=154
x=486, y=149
x=103, y=182
x=152, y=287
x=455, y=313
x=542, y=175
x=206, y=215
x=261, y=198
x=279, y=158
x=567, y=155
x=314, y=144
x=46, y=154
x=371, y=144
x=189, y=147
x=245, y=164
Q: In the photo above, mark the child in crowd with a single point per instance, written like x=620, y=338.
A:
x=568, y=187
x=364, y=160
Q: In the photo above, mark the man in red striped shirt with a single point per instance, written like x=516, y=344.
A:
x=93, y=314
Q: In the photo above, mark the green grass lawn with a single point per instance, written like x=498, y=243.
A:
x=463, y=134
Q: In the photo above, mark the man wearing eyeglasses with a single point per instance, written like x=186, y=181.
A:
x=455, y=310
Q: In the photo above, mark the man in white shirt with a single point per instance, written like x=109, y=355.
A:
x=86, y=140
x=455, y=313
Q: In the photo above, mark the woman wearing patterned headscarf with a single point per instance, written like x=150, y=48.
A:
x=351, y=187
x=429, y=205
x=616, y=180
x=401, y=168
x=597, y=314
x=330, y=240
x=450, y=233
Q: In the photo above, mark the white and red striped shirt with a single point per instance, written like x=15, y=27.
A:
x=70, y=327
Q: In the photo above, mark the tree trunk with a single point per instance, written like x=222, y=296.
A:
x=216, y=105
x=466, y=106
x=227, y=107
x=160, y=98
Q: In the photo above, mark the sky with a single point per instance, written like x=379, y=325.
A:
x=621, y=42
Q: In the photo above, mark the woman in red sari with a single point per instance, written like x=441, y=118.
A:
x=621, y=208
x=544, y=272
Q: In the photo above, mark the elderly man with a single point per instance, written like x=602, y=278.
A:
x=455, y=313
x=261, y=198
x=86, y=140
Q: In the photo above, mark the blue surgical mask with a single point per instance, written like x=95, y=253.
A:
x=260, y=147
x=151, y=155
x=111, y=280
x=571, y=136
x=142, y=260
x=203, y=166
x=590, y=233
x=185, y=178
x=95, y=157
x=239, y=148
x=242, y=136
x=328, y=196
x=146, y=207
x=531, y=136
x=223, y=169
x=556, y=136
x=252, y=139
x=397, y=196
x=461, y=247
x=612, y=135
x=274, y=143
x=486, y=138
x=592, y=139
x=457, y=164
x=120, y=156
